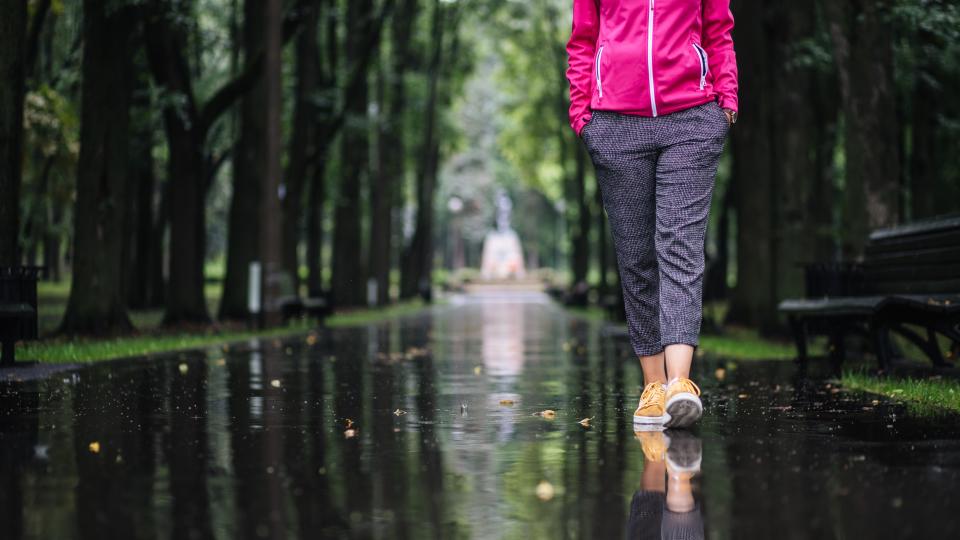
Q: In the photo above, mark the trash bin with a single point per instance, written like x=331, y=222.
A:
x=18, y=285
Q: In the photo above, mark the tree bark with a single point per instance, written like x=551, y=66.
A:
x=802, y=230
x=863, y=52
x=97, y=302
x=301, y=140
x=12, y=55
x=392, y=147
x=348, y=276
x=753, y=300
x=271, y=218
x=419, y=257
x=581, y=227
x=248, y=158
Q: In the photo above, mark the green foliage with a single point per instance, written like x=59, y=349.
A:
x=924, y=397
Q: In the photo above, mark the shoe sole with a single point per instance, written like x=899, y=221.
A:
x=656, y=421
x=684, y=410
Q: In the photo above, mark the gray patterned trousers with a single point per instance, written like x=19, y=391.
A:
x=656, y=175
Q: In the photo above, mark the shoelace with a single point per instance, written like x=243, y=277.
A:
x=653, y=391
x=687, y=385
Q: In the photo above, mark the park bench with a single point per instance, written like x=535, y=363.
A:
x=295, y=306
x=907, y=284
x=18, y=309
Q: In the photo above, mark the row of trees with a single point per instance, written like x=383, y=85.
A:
x=169, y=92
x=392, y=105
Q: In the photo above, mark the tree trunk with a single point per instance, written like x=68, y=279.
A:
x=314, y=227
x=419, y=256
x=97, y=303
x=348, y=280
x=248, y=157
x=392, y=147
x=381, y=198
x=863, y=51
x=271, y=218
x=801, y=229
x=13, y=26
x=581, y=227
x=304, y=121
x=753, y=301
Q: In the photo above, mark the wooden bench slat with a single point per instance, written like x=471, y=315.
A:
x=19, y=310
x=928, y=226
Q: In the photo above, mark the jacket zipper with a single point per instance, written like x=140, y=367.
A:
x=653, y=93
x=599, y=81
x=704, y=66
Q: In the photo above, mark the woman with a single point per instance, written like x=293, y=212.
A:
x=653, y=92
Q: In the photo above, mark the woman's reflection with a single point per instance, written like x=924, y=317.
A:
x=664, y=506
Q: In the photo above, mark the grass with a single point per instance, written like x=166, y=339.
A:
x=58, y=351
x=923, y=397
x=53, y=297
x=364, y=316
x=744, y=344
x=736, y=342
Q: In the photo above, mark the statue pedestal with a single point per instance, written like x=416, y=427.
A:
x=502, y=256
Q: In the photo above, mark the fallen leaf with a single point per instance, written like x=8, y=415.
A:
x=507, y=402
x=547, y=414
x=350, y=433
x=720, y=373
x=94, y=447
x=221, y=362
x=585, y=422
x=399, y=412
x=545, y=490
x=743, y=396
x=312, y=340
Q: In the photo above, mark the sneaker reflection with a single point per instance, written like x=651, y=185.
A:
x=664, y=506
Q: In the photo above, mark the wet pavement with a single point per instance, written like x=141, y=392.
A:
x=427, y=427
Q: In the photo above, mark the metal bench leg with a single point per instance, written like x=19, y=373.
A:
x=7, y=359
x=837, y=350
x=800, y=338
x=882, y=346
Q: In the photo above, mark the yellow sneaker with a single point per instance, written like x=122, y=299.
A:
x=650, y=411
x=683, y=403
x=654, y=445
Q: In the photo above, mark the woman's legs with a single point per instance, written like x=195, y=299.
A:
x=653, y=369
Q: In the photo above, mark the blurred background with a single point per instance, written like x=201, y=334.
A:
x=369, y=152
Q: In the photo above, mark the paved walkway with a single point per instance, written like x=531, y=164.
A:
x=435, y=426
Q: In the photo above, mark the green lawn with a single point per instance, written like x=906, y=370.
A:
x=735, y=343
x=153, y=339
x=923, y=397
x=57, y=351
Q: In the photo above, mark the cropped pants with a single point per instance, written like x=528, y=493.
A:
x=656, y=176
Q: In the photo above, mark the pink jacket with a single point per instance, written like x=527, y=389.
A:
x=650, y=57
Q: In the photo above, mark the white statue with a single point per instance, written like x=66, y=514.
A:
x=502, y=256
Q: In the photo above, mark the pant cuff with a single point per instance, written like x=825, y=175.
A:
x=681, y=339
x=647, y=349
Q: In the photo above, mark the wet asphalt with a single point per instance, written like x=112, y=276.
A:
x=496, y=415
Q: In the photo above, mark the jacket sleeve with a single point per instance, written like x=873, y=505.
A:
x=580, y=50
x=717, y=40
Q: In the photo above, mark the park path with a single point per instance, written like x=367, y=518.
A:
x=435, y=426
